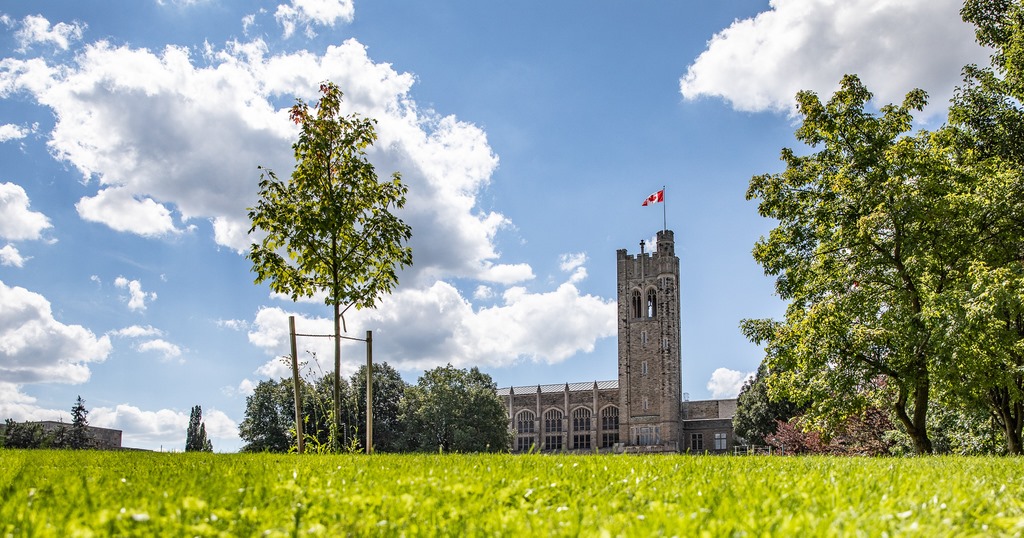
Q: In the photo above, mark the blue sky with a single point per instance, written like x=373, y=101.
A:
x=528, y=134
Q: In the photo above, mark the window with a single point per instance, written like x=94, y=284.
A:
x=643, y=338
x=525, y=422
x=643, y=368
x=664, y=343
x=610, y=419
x=581, y=428
x=581, y=420
x=553, y=422
x=652, y=303
x=647, y=404
x=609, y=439
x=524, y=444
x=637, y=304
x=645, y=436
x=697, y=442
x=720, y=441
x=552, y=442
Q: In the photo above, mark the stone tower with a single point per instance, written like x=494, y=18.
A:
x=650, y=369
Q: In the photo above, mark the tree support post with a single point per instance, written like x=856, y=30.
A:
x=369, y=392
x=298, y=386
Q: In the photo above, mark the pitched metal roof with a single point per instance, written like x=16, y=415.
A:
x=560, y=387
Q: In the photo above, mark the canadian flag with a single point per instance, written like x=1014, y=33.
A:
x=655, y=198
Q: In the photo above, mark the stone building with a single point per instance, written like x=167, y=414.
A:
x=643, y=410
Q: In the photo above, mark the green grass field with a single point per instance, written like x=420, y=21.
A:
x=64, y=493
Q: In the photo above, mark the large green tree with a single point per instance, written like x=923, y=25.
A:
x=984, y=321
x=455, y=410
x=388, y=392
x=329, y=228
x=870, y=230
x=269, y=416
x=269, y=421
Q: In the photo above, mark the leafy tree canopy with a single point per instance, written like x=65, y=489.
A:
x=872, y=226
x=456, y=410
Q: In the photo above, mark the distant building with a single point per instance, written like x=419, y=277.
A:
x=643, y=410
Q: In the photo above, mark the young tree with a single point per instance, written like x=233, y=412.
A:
x=79, y=438
x=870, y=231
x=456, y=410
x=195, y=436
x=330, y=228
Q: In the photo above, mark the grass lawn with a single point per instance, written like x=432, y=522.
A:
x=65, y=493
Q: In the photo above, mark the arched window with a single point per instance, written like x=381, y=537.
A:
x=610, y=418
x=553, y=421
x=581, y=429
x=581, y=420
x=637, y=304
x=609, y=426
x=652, y=303
x=553, y=430
x=525, y=422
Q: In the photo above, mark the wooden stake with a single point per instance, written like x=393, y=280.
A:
x=297, y=384
x=369, y=392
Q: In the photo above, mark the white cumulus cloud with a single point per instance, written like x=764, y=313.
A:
x=124, y=212
x=169, y=139
x=10, y=257
x=137, y=331
x=162, y=429
x=726, y=383
x=36, y=348
x=36, y=29
x=307, y=13
x=17, y=222
x=9, y=131
x=136, y=296
x=894, y=46
x=423, y=328
x=159, y=345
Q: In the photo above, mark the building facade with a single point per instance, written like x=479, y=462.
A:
x=643, y=410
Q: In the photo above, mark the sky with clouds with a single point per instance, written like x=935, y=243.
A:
x=528, y=135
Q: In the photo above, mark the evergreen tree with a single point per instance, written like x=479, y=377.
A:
x=757, y=415
x=195, y=437
x=78, y=438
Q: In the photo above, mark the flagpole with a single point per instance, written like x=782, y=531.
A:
x=664, y=209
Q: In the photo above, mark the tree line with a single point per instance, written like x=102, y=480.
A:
x=74, y=436
x=900, y=254
x=448, y=409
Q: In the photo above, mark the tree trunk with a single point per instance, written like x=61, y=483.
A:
x=916, y=426
x=1010, y=416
